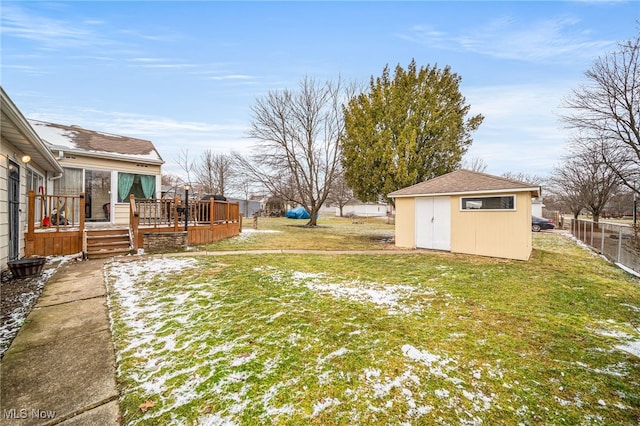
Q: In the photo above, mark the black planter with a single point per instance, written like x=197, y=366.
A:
x=27, y=267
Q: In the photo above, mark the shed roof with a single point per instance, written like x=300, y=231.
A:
x=75, y=139
x=465, y=182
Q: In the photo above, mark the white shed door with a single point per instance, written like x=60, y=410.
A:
x=433, y=223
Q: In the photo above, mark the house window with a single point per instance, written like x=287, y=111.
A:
x=70, y=183
x=35, y=183
x=504, y=202
x=97, y=188
x=141, y=186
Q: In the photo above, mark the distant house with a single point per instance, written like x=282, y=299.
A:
x=467, y=212
x=536, y=207
x=106, y=167
x=27, y=164
x=358, y=208
x=247, y=207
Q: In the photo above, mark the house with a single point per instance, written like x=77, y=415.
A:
x=247, y=207
x=467, y=212
x=26, y=165
x=107, y=168
x=359, y=208
x=59, y=180
x=536, y=207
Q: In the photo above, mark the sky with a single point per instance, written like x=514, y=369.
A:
x=185, y=75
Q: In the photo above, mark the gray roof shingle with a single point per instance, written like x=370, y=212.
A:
x=465, y=181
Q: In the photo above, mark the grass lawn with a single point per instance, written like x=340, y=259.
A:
x=333, y=233
x=381, y=339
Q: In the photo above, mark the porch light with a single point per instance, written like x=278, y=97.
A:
x=26, y=159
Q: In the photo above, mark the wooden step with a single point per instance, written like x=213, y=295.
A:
x=104, y=243
x=100, y=254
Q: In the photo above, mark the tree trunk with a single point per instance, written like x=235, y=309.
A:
x=313, y=221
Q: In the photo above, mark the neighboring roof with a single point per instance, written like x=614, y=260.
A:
x=16, y=129
x=75, y=139
x=465, y=182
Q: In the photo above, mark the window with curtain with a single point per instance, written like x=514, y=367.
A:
x=141, y=186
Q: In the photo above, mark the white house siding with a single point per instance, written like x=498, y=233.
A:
x=363, y=210
x=4, y=205
x=9, y=153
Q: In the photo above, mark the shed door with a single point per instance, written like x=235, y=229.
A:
x=433, y=223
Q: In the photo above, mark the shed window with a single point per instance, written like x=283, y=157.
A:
x=505, y=202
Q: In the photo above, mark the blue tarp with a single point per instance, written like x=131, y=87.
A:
x=298, y=213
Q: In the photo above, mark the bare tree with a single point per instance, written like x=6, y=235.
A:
x=567, y=186
x=186, y=164
x=524, y=177
x=340, y=193
x=475, y=164
x=171, y=182
x=214, y=172
x=606, y=110
x=585, y=181
x=298, y=135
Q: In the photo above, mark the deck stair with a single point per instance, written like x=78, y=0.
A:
x=102, y=243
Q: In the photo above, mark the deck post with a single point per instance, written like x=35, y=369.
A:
x=134, y=222
x=81, y=234
x=176, y=221
x=29, y=248
x=212, y=212
x=82, y=216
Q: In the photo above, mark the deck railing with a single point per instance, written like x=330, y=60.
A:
x=173, y=212
x=55, y=224
x=205, y=221
x=56, y=211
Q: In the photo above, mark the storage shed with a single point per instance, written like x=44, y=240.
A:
x=467, y=212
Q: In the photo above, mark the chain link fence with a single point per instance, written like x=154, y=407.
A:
x=618, y=243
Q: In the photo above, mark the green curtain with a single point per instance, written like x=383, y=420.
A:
x=148, y=184
x=125, y=182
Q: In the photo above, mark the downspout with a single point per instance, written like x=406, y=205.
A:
x=60, y=156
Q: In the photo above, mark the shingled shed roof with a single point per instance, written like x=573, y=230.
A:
x=81, y=141
x=465, y=182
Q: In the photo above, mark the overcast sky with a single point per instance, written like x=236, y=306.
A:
x=186, y=74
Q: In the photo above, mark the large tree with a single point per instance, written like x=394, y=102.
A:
x=606, y=111
x=405, y=130
x=298, y=143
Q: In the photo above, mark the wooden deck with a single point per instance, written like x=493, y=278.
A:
x=52, y=234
